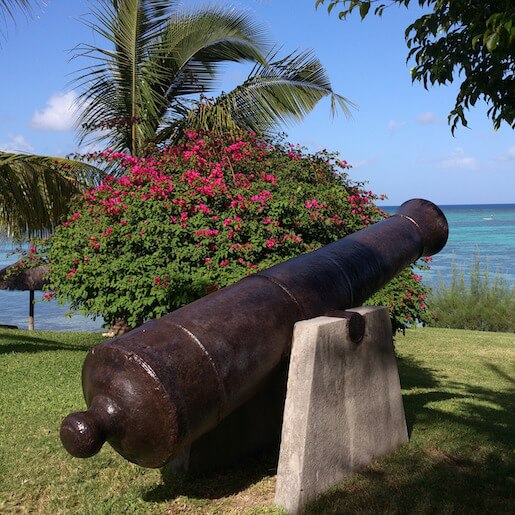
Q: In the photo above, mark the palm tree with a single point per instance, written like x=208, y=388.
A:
x=145, y=87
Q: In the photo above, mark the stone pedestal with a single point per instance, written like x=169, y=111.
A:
x=343, y=405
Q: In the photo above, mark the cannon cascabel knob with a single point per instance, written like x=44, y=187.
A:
x=82, y=434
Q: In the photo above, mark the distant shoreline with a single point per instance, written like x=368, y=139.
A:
x=460, y=207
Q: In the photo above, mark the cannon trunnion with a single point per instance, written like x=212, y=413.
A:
x=161, y=386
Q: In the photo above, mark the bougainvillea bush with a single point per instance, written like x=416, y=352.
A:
x=197, y=217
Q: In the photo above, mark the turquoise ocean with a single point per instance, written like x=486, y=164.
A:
x=487, y=229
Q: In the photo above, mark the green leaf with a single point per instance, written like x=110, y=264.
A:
x=363, y=9
x=492, y=41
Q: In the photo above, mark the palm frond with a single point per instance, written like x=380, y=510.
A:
x=8, y=8
x=8, y=11
x=35, y=191
x=114, y=84
x=278, y=93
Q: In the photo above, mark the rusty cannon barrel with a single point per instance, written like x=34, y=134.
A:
x=161, y=386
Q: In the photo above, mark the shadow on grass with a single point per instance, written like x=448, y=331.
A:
x=21, y=342
x=231, y=481
x=457, y=463
x=423, y=481
x=501, y=373
x=464, y=463
x=414, y=375
x=214, y=484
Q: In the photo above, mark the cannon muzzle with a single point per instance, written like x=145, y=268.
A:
x=161, y=386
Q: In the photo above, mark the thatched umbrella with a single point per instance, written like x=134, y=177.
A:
x=31, y=279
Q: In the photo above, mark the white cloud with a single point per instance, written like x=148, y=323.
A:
x=457, y=160
x=427, y=118
x=59, y=115
x=394, y=125
x=16, y=144
x=362, y=163
x=511, y=153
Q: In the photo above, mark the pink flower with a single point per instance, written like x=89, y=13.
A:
x=235, y=147
x=49, y=295
x=208, y=233
x=270, y=178
x=71, y=273
x=32, y=250
x=124, y=181
x=261, y=198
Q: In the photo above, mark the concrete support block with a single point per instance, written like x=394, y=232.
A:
x=343, y=405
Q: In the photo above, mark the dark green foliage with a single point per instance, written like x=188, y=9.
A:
x=481, y=304
x=405, y=298
x=472, y=41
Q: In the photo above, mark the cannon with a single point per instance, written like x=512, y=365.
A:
x=160, y=387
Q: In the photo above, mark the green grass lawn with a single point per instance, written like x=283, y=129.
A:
x=458, y=389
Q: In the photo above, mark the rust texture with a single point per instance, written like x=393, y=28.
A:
x=158, y=388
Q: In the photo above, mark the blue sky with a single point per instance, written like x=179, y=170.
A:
x=398, y=139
